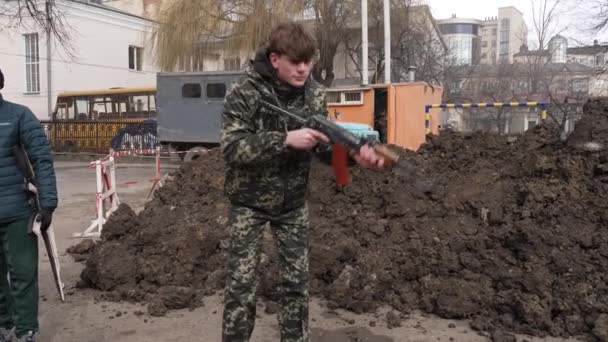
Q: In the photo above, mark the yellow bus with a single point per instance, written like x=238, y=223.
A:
x=97, y=120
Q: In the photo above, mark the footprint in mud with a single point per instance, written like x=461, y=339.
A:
x=347, y=335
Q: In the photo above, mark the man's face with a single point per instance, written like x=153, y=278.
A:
x=292, y=73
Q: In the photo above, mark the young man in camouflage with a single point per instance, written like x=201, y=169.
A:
x=267, y=158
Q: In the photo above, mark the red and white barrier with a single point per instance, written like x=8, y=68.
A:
x=157, y=180
x=157, y=176
x=105, y=171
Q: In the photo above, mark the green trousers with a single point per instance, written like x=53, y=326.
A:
x=291, y=234
x=18, y=277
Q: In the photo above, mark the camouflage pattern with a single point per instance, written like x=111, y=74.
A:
x=261, y=172
x=266, y=182
x=291, y=233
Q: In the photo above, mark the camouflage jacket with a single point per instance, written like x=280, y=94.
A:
x=261, y=171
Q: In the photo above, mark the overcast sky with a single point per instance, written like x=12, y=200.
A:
x=572, y=19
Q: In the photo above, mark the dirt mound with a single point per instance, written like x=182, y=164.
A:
x=512, y=235
x=592, y=132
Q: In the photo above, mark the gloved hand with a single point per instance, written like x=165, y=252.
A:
x=46, y=216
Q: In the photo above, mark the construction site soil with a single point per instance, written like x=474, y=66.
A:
x=512, y=234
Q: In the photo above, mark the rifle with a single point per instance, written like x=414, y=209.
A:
x=339, y=135
x=34, y=226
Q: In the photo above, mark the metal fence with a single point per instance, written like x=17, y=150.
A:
x=100, y=136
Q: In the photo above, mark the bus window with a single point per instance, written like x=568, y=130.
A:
x=82, y=108
x=65, y=109
x=109, y=104
x=101, y=107
x=138, y=106
x=62, y=111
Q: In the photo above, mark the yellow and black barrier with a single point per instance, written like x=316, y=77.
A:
x=427, y=108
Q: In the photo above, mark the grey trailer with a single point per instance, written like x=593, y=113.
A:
x=190, y=109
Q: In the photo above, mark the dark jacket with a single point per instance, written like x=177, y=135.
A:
x=261, y=171
x=18, y=125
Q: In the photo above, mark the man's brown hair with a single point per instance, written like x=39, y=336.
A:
x=294, y=41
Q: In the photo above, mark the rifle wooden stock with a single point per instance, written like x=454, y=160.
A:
x=390, y=157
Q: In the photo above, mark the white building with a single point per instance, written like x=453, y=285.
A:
x=491, y=41
x=109, y=47
x=512, y=33
x=462, y=38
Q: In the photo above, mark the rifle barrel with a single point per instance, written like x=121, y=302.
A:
x=283, y=111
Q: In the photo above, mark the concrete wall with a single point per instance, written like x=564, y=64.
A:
x=100, y=39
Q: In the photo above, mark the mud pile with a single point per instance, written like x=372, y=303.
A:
x=512, y=235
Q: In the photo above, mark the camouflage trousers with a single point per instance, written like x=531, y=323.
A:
x=291, y=235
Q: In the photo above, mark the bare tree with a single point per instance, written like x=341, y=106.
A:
x=415, y=41
x=190, y=28
x=544, y=20
x=597, y=13
x=331, y=26
x=489, y=83
x=44, y=16
x=548, y=76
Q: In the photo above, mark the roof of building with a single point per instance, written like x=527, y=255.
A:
x=578, y=50
x=459, y=21
x=588, y=50
x=110, y=8
x=531, y=53
x=494, y=70
x=109, y=91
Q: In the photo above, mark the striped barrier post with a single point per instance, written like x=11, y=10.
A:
x=427, y=108
x=105, y=173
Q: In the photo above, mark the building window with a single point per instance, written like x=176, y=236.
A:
x=580, y=86
x=504, y=39
x=345, y=97
x=136, y=58
x=459, y=28
x=494, y=32
x=32, y=63
x=232, y=63
x=333, y=97
x=599, y=59
x=531, y=123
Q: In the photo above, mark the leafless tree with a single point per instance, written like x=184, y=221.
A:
x=42, y=15
x=596, y=12
x=190, y=28
x=331, y=18
x=414, y=42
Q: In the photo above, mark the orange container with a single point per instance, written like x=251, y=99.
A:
x=395, y=110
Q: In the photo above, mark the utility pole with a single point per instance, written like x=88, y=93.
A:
x=49, y=63
x=364, y=44
x=387, y=41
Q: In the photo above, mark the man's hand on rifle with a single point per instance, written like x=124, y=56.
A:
x=367, y=157
x=305, y=139
x=46, y=216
